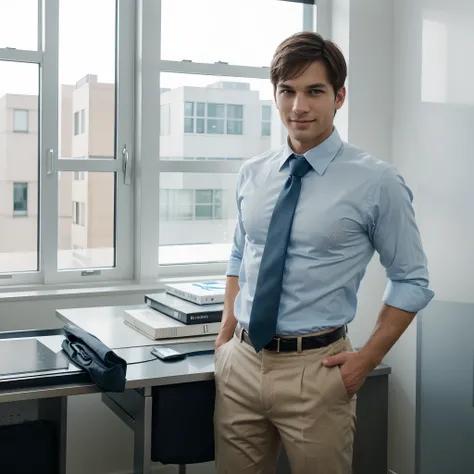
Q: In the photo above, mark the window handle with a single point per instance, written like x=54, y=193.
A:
x=126, y=167
x=49, y=165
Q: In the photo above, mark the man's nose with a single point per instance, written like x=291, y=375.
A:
x=300, y=104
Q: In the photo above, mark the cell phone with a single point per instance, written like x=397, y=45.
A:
x=167, y=354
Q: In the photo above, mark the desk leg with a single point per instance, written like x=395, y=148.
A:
x=142, y=439
x=55, y=410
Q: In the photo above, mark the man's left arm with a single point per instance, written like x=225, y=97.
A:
x=395, y=236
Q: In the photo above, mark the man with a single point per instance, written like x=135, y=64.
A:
x=310, y=216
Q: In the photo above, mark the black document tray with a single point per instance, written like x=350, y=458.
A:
x=22, y=356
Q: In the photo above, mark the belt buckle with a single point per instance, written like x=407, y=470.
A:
x=277, y=339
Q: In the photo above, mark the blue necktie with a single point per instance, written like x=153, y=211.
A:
x=264, y=314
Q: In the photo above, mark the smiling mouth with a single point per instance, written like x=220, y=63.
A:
x=303, y=121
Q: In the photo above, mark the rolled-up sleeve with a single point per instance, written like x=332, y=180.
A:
x=236, y=254
x=397, y=240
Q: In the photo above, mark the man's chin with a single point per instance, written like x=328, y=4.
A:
x=304, y=137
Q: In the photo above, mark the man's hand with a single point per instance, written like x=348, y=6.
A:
x=221, y=339
x=354, y=369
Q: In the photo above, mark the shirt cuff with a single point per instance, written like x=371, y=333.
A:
x=407, y=296
x=233, y=267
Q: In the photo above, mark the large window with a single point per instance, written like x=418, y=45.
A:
x=119, y=175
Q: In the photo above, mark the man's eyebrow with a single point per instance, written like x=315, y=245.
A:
x=319, y=85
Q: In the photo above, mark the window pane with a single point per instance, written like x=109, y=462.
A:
x=200, y=126
x=216, y=110
x=266, y=112
x=235, y=111
x=234, y=127
x=86, y=221
x=203, y=196
x=215, y=126
x=188, y=125
x=266, y=129
x=182, y=204
x=207, y=235
x=87, y=77
x=204, y=212
x=189, y=109
x=20, y=199
x=20, y=120
x=231, y=33
x=18, y=167
x=238, y=139
x=19, y=24
x=201, y=109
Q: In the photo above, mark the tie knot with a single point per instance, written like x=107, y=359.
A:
x=299, y=166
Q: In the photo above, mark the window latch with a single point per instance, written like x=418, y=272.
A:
x=126, y=167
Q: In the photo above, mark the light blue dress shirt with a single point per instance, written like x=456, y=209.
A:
x=350, y=205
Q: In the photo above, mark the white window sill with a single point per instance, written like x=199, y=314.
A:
x=111, y=288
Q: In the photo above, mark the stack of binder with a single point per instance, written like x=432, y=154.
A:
x=182, y=310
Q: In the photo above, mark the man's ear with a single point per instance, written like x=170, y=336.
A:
x=340, y=97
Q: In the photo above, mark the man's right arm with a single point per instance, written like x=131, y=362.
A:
x=229, y=322
x=228, y=319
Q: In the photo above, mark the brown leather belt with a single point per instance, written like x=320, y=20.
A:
x=290, y=344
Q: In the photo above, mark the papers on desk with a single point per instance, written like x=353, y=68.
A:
x=156, y=325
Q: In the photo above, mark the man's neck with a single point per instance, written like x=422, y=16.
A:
x=302, y=147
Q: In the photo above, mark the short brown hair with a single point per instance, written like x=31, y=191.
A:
x=295, y=54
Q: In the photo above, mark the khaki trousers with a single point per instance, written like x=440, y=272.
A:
x=267, y=398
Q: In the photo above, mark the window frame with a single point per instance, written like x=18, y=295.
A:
x=151, y=168
x=46, y=56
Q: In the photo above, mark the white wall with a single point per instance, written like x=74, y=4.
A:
x=369, y=33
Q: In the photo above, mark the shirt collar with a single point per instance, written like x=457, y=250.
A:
x=318, y=157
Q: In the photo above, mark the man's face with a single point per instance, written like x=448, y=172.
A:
x=307, y=104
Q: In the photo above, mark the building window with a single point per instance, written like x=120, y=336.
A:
x=208, y=204
x=200, y=117
x=20, y=120
x=189, y=204
x=215, y=119
x=266, y=120
x=20, y=199
x=78, y=213
x=76, y=124
x=189, y=117
x=80, y=122
x=235, y=116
